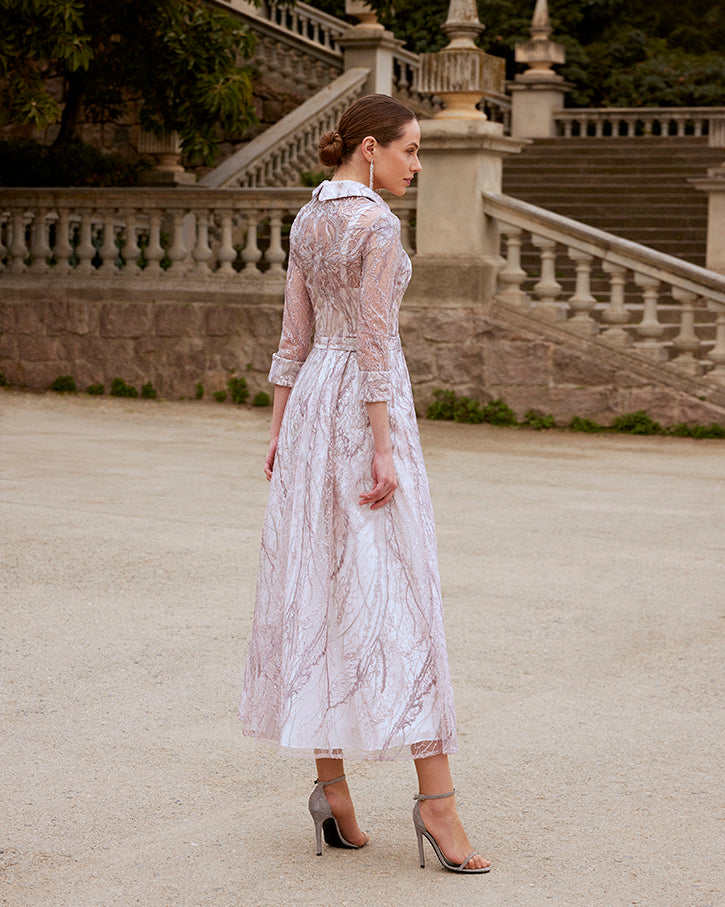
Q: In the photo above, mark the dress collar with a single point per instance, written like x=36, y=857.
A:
x=332, y=189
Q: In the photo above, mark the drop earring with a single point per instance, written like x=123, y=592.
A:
x=372, y=172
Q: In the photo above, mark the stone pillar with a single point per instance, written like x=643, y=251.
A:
x=714, y=185
x=461, y=159
x=462, y=156
x=368, y=45
x=539, y=92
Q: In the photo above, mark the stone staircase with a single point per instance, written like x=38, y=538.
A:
x=636, y=188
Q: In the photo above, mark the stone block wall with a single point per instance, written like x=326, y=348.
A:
x=172, y=340
x=453, y=340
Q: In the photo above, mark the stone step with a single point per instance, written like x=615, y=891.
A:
x=635, y=188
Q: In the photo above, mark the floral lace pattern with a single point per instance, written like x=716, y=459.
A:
x=347, y=656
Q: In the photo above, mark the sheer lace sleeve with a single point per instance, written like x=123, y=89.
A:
x=376, y=299
x=297, y=324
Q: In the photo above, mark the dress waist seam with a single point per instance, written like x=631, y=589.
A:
x=349, y=344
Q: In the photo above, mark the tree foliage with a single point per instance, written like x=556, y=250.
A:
x=178, y=57
x=619, y=52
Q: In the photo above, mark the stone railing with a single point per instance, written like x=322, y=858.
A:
x=299, y=20
x=673, y=294
x=296, y=45
x=282, y=152
x=624, y=122
x=158, y=234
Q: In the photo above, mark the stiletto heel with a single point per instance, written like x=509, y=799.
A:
x=325, y=822
x=422, y=831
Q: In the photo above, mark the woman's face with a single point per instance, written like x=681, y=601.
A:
x=397, y=163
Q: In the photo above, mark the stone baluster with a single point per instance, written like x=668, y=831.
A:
x=650, y=328
x=687, y=343
x=177, y=252
x=202, y=253
x=108, y=250
x=616, y=315
x=131, y=252
x=275, y=253
x=582, y=302
x=85, y=250
x=512, y=275
x=62, y=249
x=717, y=353
x=40, y=247
x=548, y=289
x=226, y=253
x=251, y=252
x=154, y=250
x=18, y=247
x=698, y=126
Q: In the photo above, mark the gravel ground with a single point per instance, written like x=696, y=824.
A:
x=584, y=581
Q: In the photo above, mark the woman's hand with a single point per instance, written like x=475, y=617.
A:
x=269, y=459
x=385, y=482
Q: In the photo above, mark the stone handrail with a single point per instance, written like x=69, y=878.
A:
x=623, y=122
x=280, y=153
x=127, y=235
x=664, y=284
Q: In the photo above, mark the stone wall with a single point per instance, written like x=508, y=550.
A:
x=452, y=338
x=172, y=340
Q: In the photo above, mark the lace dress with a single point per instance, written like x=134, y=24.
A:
x=347, y=655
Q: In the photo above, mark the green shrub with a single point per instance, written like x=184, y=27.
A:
x=468, y=410
x=119, y=388
x=96, y=390
x=220, y=396
x=638, y=423
x=498, y=413
x=443, y=406
x=199, y=391
x=238, y=389
x=3, y=380
x=261, y=399
x=148, y=391
x=683, y=430
x=537, y=420
x=64, y=384
x=587, y=425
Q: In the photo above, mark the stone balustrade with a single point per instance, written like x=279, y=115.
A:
x=623, y=122
x=672, y=293
x=299, y=20
x=289, y=147
x=306, y=22
x=157, y=234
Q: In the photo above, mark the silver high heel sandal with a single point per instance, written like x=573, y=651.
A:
x=422, y=831
x=321, y=812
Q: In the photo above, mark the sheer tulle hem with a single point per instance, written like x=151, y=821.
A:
x=398, y=752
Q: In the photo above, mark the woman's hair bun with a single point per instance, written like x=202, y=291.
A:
x=331, y=148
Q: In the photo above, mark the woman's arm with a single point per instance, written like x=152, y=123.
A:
x=281, y=395
x=385, y=480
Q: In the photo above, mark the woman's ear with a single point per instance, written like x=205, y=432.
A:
x=368, y=147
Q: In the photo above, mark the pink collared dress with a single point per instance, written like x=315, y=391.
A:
x=347, y=657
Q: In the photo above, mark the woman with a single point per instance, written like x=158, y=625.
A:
x=347, y=655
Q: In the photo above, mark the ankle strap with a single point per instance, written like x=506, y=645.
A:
x=434, y=797
x=333, y=781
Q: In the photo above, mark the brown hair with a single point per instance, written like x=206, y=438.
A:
x=377, y=115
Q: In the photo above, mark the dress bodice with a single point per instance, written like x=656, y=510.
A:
x=346, y=278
